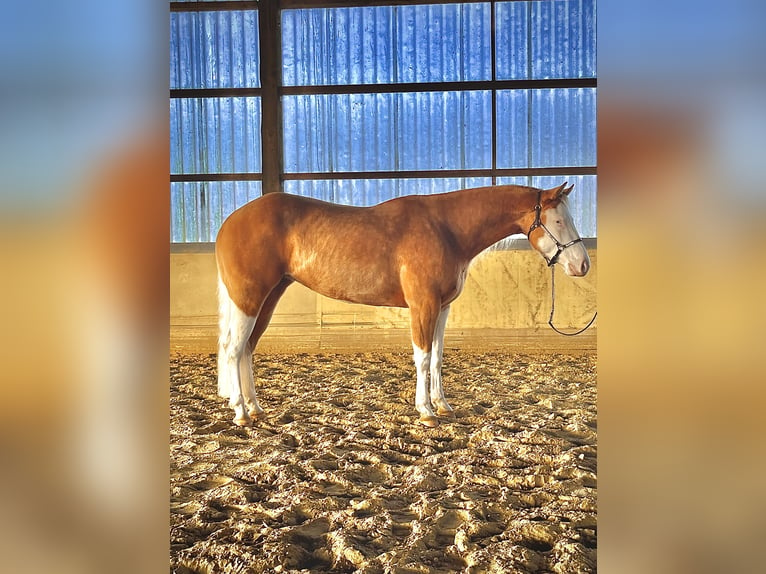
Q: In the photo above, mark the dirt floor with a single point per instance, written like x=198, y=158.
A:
x=341, y=478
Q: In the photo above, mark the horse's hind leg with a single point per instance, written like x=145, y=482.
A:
x=235, y=329
x=246, y=365
x=254, y=409
x=240, y=327
x=438, y=399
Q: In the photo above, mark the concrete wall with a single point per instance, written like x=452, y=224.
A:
x=506, y=301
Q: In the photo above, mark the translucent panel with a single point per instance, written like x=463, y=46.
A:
x=366, y=192
x=512, y=41
x=563, y=39
x=366, y=132
x=537, y=40
x=215, y=135
x=214, y=49
x=563, y=127
x=513, y=128
x=199, y=208
x=339, y=132
x=546, y=128
x=386, y=44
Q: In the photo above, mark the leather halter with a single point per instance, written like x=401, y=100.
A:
x=539, y=223
x=559, y=249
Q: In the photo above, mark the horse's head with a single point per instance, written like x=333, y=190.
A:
x=553, y=233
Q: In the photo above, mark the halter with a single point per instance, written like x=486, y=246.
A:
x=551, y=262
x=539, y=223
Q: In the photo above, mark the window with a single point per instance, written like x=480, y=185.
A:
x=380, y=101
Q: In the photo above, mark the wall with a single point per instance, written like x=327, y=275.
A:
x=506, y=302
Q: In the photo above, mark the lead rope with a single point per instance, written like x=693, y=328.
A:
x=553, y=307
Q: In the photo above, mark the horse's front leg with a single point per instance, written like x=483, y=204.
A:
x=438, y=400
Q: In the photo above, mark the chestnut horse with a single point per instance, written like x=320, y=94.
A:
x=412, y=251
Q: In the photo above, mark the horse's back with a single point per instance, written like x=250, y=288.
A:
x=351, y=253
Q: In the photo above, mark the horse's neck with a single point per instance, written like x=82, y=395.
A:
x=481, y=217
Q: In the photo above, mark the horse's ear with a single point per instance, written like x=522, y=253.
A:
x=568, y=190
x=559, y=191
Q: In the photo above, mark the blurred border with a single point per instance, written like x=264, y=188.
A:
x=83, y=158
x=681, y=273
x=84, y=236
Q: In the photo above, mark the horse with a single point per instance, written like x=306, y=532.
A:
x=412, y=251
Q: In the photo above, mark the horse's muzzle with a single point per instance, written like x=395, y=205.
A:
x=574, y=270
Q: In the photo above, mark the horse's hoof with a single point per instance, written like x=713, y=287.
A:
x=260, y=415
x=429, y=420
x=243, y=422
x=446, y=413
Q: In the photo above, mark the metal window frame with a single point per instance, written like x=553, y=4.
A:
x=271, y=91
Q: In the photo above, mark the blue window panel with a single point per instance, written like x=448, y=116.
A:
x=339, y=132
x=546, y=128
x=337, y=46
x=215, y=135
x=367, y=132
x=540, y=40
x=445, y=130
x=366, y=192
x=563, y=127
x=200, y=207
x=512, y=41
x=214, y=49
x=386, y=44
x=513, y=128
x=562, y=39
x=443, y=43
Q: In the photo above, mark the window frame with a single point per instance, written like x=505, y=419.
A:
x=271, y=92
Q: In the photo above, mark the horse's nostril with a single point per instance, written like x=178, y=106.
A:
x=578, y=270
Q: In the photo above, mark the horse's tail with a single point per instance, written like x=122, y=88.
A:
x=224, y=335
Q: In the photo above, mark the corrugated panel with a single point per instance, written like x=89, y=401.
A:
x=546, y=128
x=563, y=127
x=200, y=207
x=215, y=135
x=366, y=132
x=386, y=44
x=562, y=39
x=512, y=40
x=214, y=49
